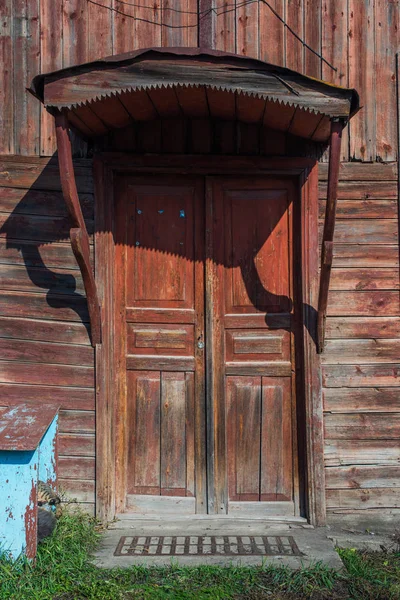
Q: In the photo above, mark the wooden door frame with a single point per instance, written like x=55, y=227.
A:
x=305, y=171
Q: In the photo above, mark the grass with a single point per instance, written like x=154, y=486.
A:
x=63, y=571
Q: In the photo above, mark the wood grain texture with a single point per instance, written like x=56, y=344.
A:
x=66, y=397
x=51, y=49
x=365, y=255
x=362, y=69
x=247, y=29
x=59, y=375
x=364, y=279
x=370, y=351
x=349, y=400
x=375, y=303
x=362, y=452
x=362, y=426
x=379, y=375
x=363, y=499
x=271, y=33
x=6, y=80
x=313, y=37
x=363, y=327
x=386, y=44
x=26, y=64
x=335, y=49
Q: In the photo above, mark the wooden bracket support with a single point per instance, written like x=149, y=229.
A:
x=78, y=233
x=329, y=228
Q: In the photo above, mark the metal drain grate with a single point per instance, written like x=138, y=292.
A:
x=207, y=546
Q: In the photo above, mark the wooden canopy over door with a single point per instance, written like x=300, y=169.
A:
x=187, y=313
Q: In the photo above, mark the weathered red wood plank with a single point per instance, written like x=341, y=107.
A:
x=40, y=280
x=363, y=327
x=335, y=26
x=243, y=437
x=363, y=499
x=361, y=304
x=362, y=426
x=51, y=46
x=35, y=329
x=75, y=32
x=313, y=37
x=271, y=33
x=173, y=432
x=276, y=440
x=342, y=400
x=72, y=444
x=364, y=279
x=362, y=452
x=26, y=46
x=247, y=29
x=124, y=27
x=365, y=255
x=66, y=397
x=99, y=23
x=34, y=227
x=179, y=18
x=295, y=12
x=40, y=174
x=357, y=171
x=225, y=28
x=28, y=253
x=144, y=426
x=370, y=351
x=362, y=477
x=363, y=209
x=386, y=45
x=78, y=421
x=6, y=80
x=364, y=231
x=362, y=76
x=362, y=190
x=81, y=491
x=382, y=375
x=38, y=374
x=76, y=467
x=39, y=306
x=28, y=351
x=38, y=202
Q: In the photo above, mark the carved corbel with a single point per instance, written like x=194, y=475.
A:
x=78, y=233
x=329, y=228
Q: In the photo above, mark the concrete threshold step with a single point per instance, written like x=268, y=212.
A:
x=149, y=543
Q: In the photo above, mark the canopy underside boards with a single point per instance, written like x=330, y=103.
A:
x=111, y=94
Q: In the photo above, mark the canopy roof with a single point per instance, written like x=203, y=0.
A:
x=116, y=91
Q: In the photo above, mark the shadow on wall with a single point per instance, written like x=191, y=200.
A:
x=37, y=237
x=37, y=254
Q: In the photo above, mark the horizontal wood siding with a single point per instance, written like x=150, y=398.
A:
x=361, y=363
x=45, y=351
x=358, y=40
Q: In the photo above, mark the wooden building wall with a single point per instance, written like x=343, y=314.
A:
x=359, y=38
x=43, y=313
x=45, y=351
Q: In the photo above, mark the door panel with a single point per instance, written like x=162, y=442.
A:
x=172, y=317
x=162, y=312
x=252, y=353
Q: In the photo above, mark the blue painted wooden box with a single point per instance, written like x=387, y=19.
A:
x=28, y=453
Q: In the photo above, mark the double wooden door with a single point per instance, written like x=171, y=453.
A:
x=204, y=346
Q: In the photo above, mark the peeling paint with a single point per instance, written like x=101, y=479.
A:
x=20, y=470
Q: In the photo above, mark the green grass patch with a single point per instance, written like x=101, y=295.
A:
x=63, y=571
